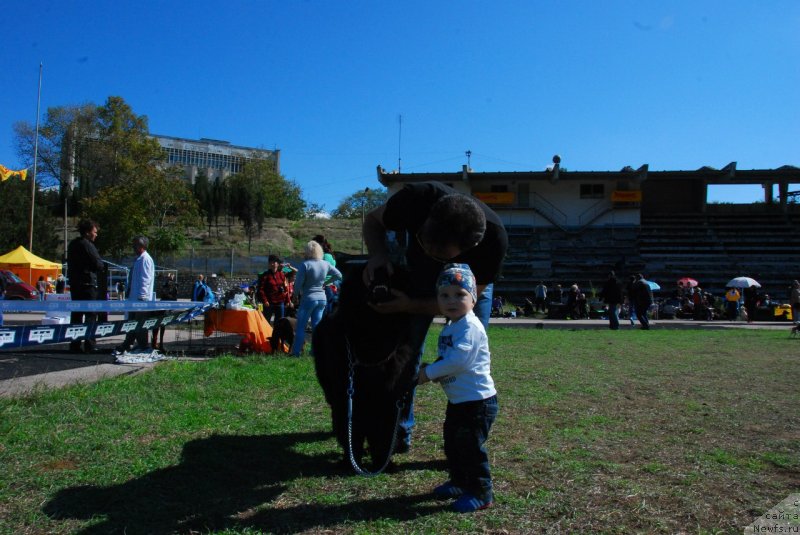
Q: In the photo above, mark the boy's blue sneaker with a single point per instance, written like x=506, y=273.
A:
x=448, y=490
x=468, y=503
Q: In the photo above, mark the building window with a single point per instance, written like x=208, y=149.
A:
x=592, y=191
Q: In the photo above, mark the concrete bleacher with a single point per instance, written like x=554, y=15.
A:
x=710, y=247
x=561, y=257
x=715, y=247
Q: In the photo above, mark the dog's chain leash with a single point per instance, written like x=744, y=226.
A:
x=350, y=392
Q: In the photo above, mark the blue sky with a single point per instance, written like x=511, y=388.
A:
x=677, y=85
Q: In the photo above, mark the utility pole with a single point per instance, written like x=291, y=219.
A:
x=35, y=158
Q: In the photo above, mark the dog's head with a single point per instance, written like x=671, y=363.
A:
x=380, y=290
x=282, y=333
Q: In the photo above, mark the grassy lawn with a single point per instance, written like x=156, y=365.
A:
x=599, y=431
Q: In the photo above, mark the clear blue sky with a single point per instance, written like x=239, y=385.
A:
x=676, y=85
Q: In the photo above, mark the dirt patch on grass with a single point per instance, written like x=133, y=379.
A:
x=58, y=465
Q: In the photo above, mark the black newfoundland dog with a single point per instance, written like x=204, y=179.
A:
x=374, y=348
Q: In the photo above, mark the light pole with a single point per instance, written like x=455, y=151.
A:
x=363, y=205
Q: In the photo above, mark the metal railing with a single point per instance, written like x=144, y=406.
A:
x=549, y=211
x=593, y=212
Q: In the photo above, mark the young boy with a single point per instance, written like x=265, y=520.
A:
x=463, y=371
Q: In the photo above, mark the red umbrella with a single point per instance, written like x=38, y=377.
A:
x=687, y=282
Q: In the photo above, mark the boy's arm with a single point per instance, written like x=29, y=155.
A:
x=455, y=359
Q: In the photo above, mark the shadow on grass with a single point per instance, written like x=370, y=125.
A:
x=217, y=485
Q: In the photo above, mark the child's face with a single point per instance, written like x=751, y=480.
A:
x=454, y=301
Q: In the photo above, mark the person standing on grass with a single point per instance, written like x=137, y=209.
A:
x=309, y=285
x=272, y=289
x=732, y=297
x=463, y=370
x=327, y=255
x=432, y=225
x=642, y=299
x=540, y=297
x=41, y=287
x=629, y=296
x=140, y=289
x=84, y=268
x=612, y=295
x=794, y=300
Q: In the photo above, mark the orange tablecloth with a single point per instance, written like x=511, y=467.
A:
x=249, y=323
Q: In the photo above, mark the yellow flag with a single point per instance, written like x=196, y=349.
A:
x=6, y=173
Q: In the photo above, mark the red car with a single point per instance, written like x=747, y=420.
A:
x=16, y=288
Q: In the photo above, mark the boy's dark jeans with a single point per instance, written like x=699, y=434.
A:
x=466, y=428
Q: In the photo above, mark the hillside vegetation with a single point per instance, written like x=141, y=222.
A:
x=280, y=236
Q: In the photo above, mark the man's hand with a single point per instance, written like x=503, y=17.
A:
x=400, y=303
x=376, y=261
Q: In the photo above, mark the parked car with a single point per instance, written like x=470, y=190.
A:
x=16, y=288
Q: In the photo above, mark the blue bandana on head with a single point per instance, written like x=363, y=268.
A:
x=458, y=275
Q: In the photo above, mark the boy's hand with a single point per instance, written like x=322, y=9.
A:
x=422, y=378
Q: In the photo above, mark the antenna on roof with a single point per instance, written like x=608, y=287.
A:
x=399, y=138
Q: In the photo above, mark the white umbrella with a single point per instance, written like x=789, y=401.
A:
x=742, y=282
x=653, y=285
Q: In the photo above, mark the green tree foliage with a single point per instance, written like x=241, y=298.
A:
x=258, y=192
x=120, y=179
x=87, y=148
x=156, y=203
x=15, y=218
x=351, y=207
x=118, y=150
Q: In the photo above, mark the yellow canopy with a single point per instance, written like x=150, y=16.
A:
x=28, y=266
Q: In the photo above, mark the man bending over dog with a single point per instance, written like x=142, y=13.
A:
x=433, y=225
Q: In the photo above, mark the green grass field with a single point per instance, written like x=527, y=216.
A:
x=599, y=431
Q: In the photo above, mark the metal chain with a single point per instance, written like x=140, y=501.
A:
x=350, y=392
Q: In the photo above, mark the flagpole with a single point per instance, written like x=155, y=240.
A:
x=35, y=160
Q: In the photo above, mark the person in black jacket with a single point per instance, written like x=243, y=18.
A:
x=432, y=225
x=84, y=266
x=612, y=295
x=642, y=299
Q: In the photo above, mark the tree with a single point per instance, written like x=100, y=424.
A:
x=362, y=200
x=220, y=200
x=89, y=147
x=258, y=192
x=157, y=203
x=15, y=218
x=117, y=150
x=56, y=162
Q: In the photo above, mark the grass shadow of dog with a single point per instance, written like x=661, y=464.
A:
x=218, y=480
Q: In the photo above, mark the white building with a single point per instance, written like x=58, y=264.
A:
x=212, y=157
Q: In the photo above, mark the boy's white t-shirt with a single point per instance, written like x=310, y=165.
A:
x=463, y=367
